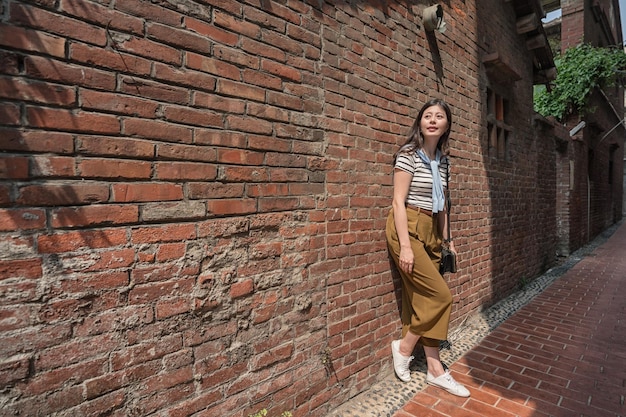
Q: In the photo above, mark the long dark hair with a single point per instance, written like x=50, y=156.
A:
x=415, y=141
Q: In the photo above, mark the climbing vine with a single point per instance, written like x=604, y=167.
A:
x=579, y=71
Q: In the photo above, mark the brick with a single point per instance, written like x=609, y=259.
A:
x=106, y=214
x=244, y=174
x=170, y=396
x=113, y=60
x=107, y=403
x=148, y=49
x=215, y=190
x=29, y=90
x=22, y=268
x=197, y=80
x=286, y=101
x=172, y=307
x=263, y=50
x=96, y=283
x=165, y=233
x=179, y=359
x=9, y=63
x=57, y=119
x=154, y=90
x=76, y=351
x=114, y=168
x=113, y=320
x=157, y=130
x=14, y=369
x=233, y=24
x=215, y=137
x=287, y=174
x=108, y=146
x=261, y=79
x=106, y=260
x=247, y=124
x=236, y=57
x=9, y=114
x=195, y=117
x=153, y=292
x=268, y=112
x=291, y=46
x=54, y=379
x=52, y=166
x=270, y=143
x=240, y=157
x=185, y=171
x=281, y=70
x=32, y=40
x=221, y=207
x=61, y=72
x=117, y=103
x=145, y=192
x=237, y=89
x=170, y=251
x=156, y=272
x=187, y=152
x=113, y=381
x=102, y=15
x=36, y=141
x=210, y=31
x=197, y=403
x=66, y=397
x=241, y=289
x=61, y=25
x=71, y=241
x=181, y=38
x=22, y=219
x=272, y=356
x=13, y=168
x=266, y=190
x=60, y=195
x=153, y=12
x=173, y=211
x=211, y=66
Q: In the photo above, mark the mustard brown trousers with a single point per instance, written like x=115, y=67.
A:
x=426, y=298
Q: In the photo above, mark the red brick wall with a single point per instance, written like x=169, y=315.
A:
x=596, y=195
x=513, y=236
x=193, y=197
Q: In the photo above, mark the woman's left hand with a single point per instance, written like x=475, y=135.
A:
x=451, y=246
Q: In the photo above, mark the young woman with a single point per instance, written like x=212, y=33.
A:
x=415, y=227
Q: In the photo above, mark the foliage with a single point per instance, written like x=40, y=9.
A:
x=579, y=71
x=263, y=413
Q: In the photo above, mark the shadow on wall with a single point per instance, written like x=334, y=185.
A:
x=46, y=209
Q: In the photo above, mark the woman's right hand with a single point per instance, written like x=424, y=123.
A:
x=406, y=260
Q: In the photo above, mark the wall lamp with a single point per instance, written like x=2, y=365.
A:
x=577, y=128
x=433, y=19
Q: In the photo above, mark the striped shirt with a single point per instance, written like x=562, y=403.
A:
x=421, y=188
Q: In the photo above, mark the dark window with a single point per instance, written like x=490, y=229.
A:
x=498, y=130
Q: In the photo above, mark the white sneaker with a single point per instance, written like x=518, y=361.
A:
x=447, y=382
x=400, y=363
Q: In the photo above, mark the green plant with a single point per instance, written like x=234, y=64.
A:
x=263, y=413
x=579, y=71
x=523, y=283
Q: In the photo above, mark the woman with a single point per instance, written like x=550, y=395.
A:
x=415, y=226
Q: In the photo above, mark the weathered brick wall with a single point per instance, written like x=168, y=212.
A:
x=193, y=197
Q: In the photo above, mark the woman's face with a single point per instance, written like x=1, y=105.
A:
x=434, y=122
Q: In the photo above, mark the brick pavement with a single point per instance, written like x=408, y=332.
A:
x=561, y=355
